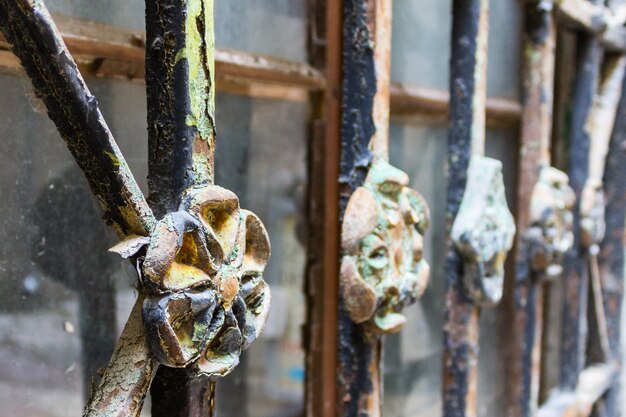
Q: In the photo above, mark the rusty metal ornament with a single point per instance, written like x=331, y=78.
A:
x=383, y=269
x=592, y=210
x=483, y=231
x=203, y=271
x=550, y=234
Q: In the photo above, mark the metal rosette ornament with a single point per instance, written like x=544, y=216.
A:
x=483, y=231
x=383, y=269
x=551, y=231
x=207, y=300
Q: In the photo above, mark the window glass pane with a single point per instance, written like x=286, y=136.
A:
x=63, y=297
x=420, y=52
x=261, y=155
x=126, y=13
x=413, y=358
x=505, y=56
x=270, y=27
x=421, y=45
x=494, y=326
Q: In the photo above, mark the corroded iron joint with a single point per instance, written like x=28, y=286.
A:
x=592, y=208
x=203, y=271
x=483, y=231
x=383, y=269
x=550, y=234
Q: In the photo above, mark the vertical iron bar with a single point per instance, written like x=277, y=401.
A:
x=611, y=257
x=357, y=128
x=364, y=135
x=180, y=81
x=467, y=135
x=575, y=274
x=180, y=85
x=527, y=304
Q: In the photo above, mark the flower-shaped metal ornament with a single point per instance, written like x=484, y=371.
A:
x=550, y=234
x=383, y=269
x=592, y=208
x=483, y=231
x=203, y=268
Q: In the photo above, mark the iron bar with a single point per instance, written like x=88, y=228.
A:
x=575, y=272
x=601, y=125
x=611, y=256
x=593, y=383
x=467, y=98
x=527, y=303
x=180, y=81
x=127, y=378
x=56, y=79
x=357, y=128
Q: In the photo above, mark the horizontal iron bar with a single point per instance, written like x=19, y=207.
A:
x=593, y=382
x=112, y=52
x=597, y=19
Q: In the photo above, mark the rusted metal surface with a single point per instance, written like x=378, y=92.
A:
x=356, y=350
x=180, y=84
x=180, y=81
x=590, y=230
x=56, y=79
x=380, y=26
x=127, y=378
x=202, y=298
x=611, y=256
x=383, y=269
x=585, y=14
x=604, y=22
x=203, y=268
x=467, y=97
x=575, y=269
x=550, y=234
x=543, y=215
x=483, y=231
x=207, y=300
x=593, y=383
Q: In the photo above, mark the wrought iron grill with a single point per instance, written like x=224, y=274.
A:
x=200, y=257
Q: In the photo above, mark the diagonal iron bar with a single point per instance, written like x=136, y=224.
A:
x=56, y=79
x=35, y=40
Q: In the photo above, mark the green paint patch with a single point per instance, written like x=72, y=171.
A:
x=113, y=158
x=200, y=39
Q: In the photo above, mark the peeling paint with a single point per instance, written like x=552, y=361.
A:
x=483, y=231
x=383, y=269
